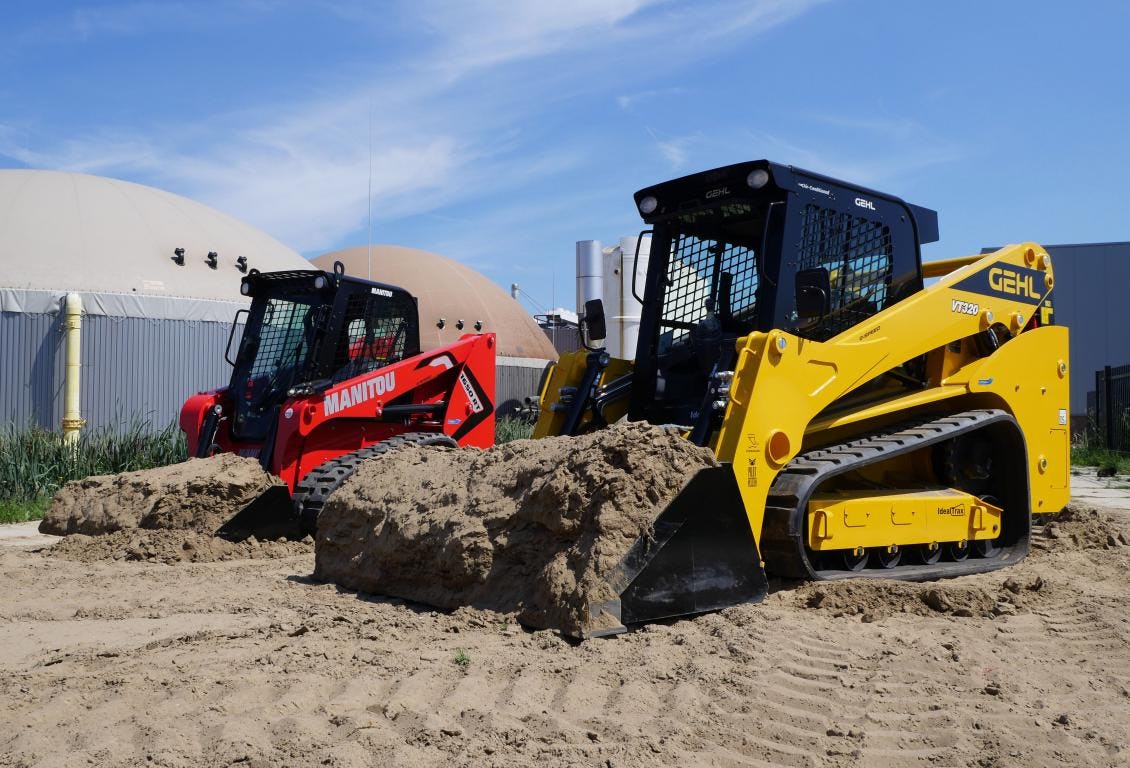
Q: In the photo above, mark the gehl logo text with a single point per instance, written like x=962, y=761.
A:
x=1007, y=281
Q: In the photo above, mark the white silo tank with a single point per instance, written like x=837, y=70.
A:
x=621, y=308
x=590, y=272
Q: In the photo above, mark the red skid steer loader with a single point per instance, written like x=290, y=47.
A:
x=329, y=373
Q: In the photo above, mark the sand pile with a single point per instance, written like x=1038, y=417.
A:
x=530, y=526
x=196, y=495
x=874, y=599
x=165, y=515
x=1013, y=590
x=1078, y=527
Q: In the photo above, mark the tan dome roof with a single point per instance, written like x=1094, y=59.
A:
x=453, y=291
x=71, y=231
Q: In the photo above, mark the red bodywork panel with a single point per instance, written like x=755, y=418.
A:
x=314, y=429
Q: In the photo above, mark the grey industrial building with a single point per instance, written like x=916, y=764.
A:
x=1089, y=282
x=154, y=324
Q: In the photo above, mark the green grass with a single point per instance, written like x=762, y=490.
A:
x=22, y=511
x=461, y=660
x=509, y=428
x=1088, y=456
x=35, y=462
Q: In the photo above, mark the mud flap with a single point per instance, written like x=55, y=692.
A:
x=270, y=515
x=701, y=557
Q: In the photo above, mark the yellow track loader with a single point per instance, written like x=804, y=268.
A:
x=867, y=423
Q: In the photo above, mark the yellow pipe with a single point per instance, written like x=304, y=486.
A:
x=72, y=416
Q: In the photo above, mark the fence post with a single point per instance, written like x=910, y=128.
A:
x=1108, y=407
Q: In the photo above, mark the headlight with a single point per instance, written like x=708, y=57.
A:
x=648, y=205
x=319, y=282
x=757, y=178
x=245, y=288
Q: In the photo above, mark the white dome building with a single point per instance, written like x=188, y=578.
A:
x=158, y=275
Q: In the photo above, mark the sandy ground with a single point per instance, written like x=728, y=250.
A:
x=247, y=662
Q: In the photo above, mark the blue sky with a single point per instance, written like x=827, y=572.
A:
x=502, y=132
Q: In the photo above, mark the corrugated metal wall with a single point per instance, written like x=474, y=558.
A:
x=513, y=384
x=30, y=368
x=137, y=368
x=1089, y=281
x=132, y=368
x=564, y=339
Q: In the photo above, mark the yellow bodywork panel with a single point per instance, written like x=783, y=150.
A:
x=853, y=519
x=782, y=383
x=568, y=372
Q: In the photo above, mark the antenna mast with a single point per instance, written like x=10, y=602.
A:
x=369, y=254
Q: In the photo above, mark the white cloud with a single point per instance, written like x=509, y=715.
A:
x=127, y=19
x=446, y=125
x=627, y=101
x=882, y=151
x=484, y=34
x=674, y=149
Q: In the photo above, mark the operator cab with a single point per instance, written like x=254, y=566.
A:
x=753, y=247
x=308, y=329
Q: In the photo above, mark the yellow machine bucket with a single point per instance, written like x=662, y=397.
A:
x=700, y=554
x=700, y=557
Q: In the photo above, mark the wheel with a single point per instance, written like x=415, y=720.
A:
x=967, y=463
x=926, y=554
x=854, y=559
x=957, y=550
x=885, y=558
x=986, y=547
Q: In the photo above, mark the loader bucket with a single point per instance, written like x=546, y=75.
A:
x=270, y=515
x=701, y=557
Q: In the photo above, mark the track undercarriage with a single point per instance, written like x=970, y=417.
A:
x=974, y=518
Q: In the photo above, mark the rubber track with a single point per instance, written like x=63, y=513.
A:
x=311, y=494
x=783, y=539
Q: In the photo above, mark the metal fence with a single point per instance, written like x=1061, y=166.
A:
x=1111, y=400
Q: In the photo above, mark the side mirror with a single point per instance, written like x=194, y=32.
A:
x=594, y=320
x=813, y=293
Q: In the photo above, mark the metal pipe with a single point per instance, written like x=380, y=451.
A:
x=72, y=325
x=590, y=272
